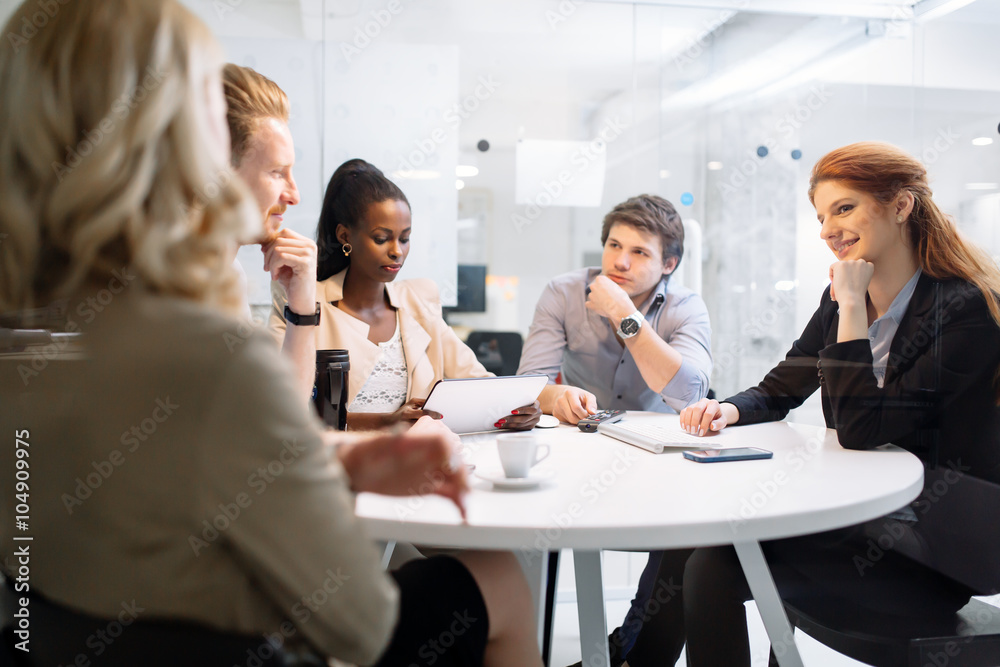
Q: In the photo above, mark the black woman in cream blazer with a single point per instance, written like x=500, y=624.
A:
x=433, y=351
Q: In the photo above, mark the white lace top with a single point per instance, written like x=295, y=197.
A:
x=385, y=388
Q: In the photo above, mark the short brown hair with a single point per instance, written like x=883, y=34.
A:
x=251, y=98
x=652, y=214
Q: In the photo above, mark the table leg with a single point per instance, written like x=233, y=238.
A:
x=535, y=565
x=772, y=612
x=590, y=608
x=549, y=613
x=387, y=550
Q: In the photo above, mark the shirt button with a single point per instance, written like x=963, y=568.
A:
x=619, y=396
x=622, y=361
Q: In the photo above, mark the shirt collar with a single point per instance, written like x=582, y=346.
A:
x=331, y=290
x=657, y=297
x=898, y=306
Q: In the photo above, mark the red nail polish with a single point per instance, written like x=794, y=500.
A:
x=513, y=412
x=502, y=422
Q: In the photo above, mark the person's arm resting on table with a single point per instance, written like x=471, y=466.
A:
x=784, y=388
x=542, y=355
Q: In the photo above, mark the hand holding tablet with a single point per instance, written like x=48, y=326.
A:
x=473, y=405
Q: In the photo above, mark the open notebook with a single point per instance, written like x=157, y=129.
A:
x=652, y=434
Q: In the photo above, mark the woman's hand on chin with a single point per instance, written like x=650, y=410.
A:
x=849, y=281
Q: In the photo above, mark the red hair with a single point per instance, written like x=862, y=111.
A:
x=884, y=172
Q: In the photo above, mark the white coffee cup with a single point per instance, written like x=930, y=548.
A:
x=519, y=452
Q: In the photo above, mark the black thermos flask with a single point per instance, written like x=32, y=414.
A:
x=330, y=392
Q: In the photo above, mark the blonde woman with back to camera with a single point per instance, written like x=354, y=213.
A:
x=134, y=240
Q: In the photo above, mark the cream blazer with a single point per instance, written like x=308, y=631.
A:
x=433, y=351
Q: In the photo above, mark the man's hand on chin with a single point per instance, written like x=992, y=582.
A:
x=291, y=259
x=609, y=300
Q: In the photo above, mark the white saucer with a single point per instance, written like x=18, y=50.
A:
x=547, y=421
x=501, y=481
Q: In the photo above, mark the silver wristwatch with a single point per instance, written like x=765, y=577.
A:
x=629, y=326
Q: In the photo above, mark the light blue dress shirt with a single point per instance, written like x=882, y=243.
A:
x=567, y=337
x=883, y=330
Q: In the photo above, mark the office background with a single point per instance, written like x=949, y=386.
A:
x=721, y=106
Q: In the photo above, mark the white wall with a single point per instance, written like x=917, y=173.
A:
x=383, y=102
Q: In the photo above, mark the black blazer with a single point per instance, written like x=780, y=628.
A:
x=938, y=399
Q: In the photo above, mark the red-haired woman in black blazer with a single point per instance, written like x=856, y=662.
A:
x=904, y=347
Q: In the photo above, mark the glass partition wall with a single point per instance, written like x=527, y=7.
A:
x=514, y=125
x=914, y=76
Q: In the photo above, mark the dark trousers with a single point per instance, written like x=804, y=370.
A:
x=666, y=627
x=703, y=593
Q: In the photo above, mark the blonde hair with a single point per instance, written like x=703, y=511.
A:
x=103, y=159
x=252, y=98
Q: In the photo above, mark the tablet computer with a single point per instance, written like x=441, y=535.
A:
x=472, y=405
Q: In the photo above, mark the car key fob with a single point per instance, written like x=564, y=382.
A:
x=589, y=424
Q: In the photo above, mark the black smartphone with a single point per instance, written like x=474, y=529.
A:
x=731, y=454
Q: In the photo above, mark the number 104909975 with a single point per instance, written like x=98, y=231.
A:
x=21, y=476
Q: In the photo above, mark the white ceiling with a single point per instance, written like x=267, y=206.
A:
x=560, y=66
x=561, y=61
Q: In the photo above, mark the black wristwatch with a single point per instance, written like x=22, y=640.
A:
x=629, y=326
x=302, y=320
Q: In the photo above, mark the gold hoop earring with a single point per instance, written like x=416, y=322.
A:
x=347, y=249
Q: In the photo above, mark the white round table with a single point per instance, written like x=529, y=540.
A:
x=605, y=494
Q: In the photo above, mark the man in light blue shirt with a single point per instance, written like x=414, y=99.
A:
x=623, y=337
